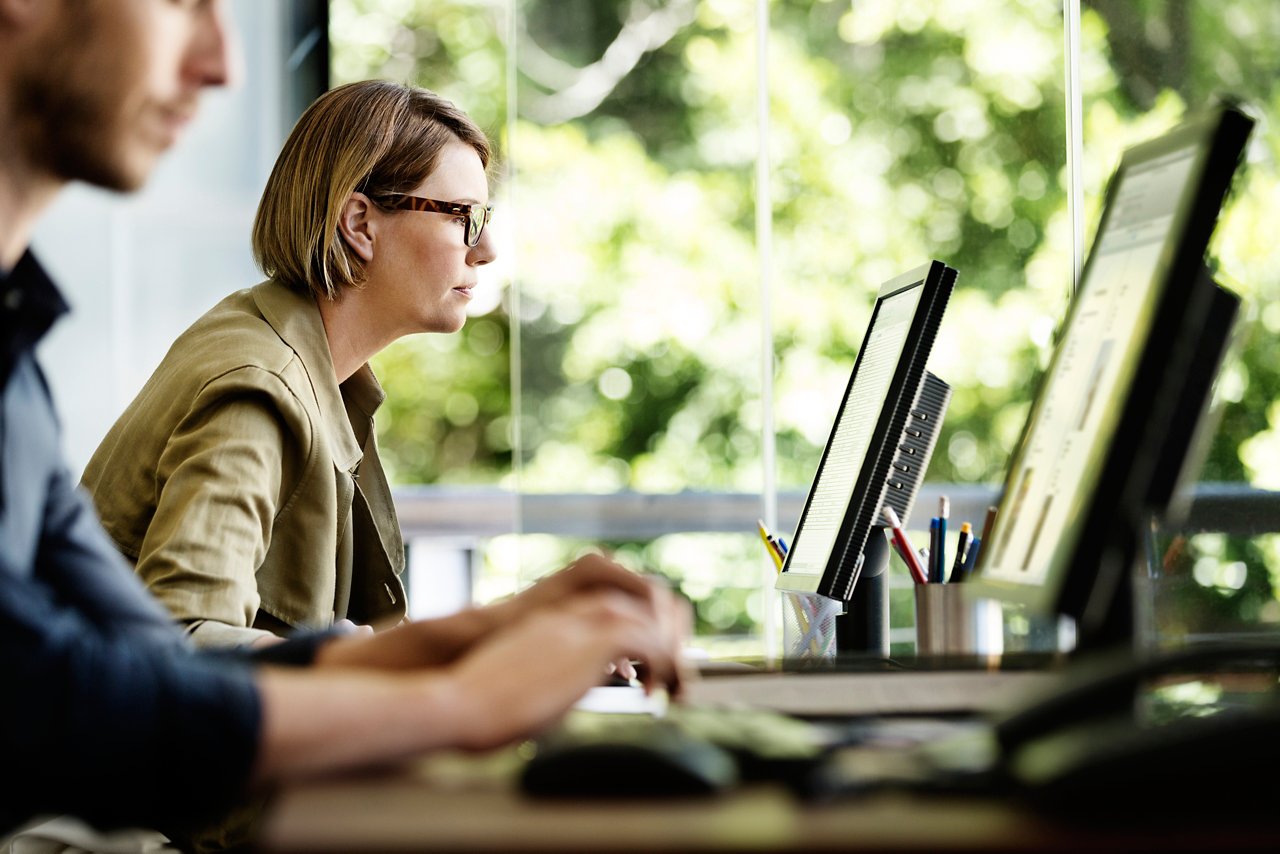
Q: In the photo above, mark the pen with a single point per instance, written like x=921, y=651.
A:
x=905, y=549
x=944, y=510
x=971, y=560
x=962, y=552
x=933, y=550
x=769, y=545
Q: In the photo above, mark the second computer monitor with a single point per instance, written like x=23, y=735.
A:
x=1094, y=459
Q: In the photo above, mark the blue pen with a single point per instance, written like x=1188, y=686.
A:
x=934, y=551
x=971, y=560
x=944, y=510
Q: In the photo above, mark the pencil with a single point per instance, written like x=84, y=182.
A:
x=905, y=549
x=985, y=536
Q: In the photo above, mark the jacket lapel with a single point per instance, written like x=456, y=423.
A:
x=296, y=319
x=373, y=590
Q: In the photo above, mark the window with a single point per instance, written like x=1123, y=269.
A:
x=696, y=201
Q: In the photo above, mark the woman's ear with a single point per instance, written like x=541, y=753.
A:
x=355, y=225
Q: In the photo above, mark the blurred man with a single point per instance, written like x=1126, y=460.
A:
x=107, y=713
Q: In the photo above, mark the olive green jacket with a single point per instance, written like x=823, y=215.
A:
x=245, y=484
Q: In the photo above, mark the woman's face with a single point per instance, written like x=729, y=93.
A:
x=422, y=271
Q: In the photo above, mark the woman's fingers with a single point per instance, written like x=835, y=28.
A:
x=527, y=676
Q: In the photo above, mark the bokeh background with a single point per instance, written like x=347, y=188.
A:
x=619, y=344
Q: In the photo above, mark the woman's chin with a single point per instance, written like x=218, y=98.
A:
x=446, y=325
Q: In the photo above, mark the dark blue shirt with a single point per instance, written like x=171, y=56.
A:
x=105, y=711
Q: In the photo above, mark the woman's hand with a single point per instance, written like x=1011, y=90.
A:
x=513, y=684
x=526, y=677
x=588, y=573
x=435, y=643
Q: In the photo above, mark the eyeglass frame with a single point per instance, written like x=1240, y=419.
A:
x=406, y=202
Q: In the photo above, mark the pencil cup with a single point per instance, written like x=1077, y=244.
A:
x=950, y=621
x=809, y=626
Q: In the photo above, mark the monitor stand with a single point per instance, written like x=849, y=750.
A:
x=863, y=628
x=1111, y=626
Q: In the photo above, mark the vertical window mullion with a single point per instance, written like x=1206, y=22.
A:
x=516, y=358
x=764, y=256
x=1075, y=134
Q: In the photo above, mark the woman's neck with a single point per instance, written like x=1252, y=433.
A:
x=355, y=335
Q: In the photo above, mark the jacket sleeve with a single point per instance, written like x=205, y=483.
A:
x=226, y=471
x=105, y=709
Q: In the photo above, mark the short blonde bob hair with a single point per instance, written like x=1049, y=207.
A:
x=375, y=137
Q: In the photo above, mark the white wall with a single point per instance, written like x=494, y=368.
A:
x=139, y=269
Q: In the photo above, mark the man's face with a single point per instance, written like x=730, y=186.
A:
x=108, y=85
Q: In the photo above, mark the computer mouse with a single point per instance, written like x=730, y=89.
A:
x=661, y=763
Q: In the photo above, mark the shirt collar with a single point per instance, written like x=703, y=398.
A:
x=296, y=319
x=363, y=390
x=29, y=305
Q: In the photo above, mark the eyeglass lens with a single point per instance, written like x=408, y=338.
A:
x=475, y=223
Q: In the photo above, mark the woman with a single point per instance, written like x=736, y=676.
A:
x=244, y=480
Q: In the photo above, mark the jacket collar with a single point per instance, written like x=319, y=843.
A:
x=296, y=319
x=29, y=304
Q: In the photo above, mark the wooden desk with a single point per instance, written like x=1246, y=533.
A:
x=470, y=805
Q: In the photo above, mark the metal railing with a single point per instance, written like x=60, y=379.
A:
x=444, y=526
x=479, y=512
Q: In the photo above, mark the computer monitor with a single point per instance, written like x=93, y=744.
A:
x=1117, y=406
x=877, y=451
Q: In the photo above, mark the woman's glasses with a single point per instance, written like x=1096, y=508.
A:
x=476, y=216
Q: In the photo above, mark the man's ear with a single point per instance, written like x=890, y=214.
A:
x=355, y=224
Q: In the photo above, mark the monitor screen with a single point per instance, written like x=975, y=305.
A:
x=1094, y=369
x=890, y=328
x=1080, y=483
x=853, y=474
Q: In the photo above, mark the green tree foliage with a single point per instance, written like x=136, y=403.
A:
x=899, y=130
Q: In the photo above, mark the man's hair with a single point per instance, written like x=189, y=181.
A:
x=375, y=137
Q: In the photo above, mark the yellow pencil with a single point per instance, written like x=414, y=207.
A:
x=768, y=544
